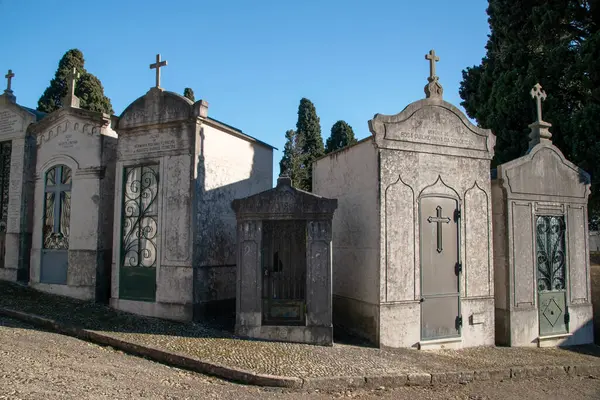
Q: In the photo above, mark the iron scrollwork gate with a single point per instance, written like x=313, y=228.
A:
x=56, y=225
x=139, y=231
x=5, y=153
x=284, y=272
x=551, y=272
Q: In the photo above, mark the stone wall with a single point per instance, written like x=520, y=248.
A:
x=351, y=176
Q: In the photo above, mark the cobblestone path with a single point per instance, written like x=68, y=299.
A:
x=35, y=364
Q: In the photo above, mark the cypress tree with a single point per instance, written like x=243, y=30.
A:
x=555, y=43
x=189, y=93
x=290, y=162
x=308, y=131
x=88, y=88
x=341, y=136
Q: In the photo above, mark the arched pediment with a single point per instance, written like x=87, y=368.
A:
x=432, y=125
x=156, y=107
x=544, y=171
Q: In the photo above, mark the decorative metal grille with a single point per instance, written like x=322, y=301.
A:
x=57, y=208
x=551, y=260
x=5, y=153
x=140, y=217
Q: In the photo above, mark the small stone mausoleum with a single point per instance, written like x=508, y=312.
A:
x=284, y=265
x=541, y=252
x=412, y=250
x=17, y=161
x=73, y=213
x=174, y=233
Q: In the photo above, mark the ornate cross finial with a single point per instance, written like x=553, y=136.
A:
x=9, y=77
x=432, y=60
x=540, y=132
x=157, y=66
x=538, y=94
x=433, y=89
x=70, y=100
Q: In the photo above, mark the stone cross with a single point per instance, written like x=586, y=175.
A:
x=538, y=94
x=71, y=79
x=439, y=220
x=432, y=60
x=157, y=66
x=9, y=77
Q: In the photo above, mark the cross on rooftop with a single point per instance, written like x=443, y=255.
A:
x=71, y=79
x=9, y=77
x=157, y=66
x=538, y=94
x=432, y=60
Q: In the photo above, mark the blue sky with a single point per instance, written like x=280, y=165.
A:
x=251, y=60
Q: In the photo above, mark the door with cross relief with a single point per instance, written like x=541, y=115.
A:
x=440, y=268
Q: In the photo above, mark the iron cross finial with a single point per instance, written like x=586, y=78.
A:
x=157, y=66
x=432, y=60
x=9, y=77
x=72, y=78
x=538, y=94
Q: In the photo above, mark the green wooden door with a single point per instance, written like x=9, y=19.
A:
x=551, y=272
x=139, y=233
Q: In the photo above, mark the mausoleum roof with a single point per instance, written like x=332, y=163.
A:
x=284, y=202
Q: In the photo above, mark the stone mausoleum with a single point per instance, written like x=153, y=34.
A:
x=73, y=213
x=541, y=251
x=412, y=243
x=177, y=172
x=17, y=160
x=284, y=265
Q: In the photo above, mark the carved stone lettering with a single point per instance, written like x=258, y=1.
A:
x=68, y=142
x=9, y=122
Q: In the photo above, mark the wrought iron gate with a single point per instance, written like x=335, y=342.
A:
x=139, y=231
x=440, y=268
x=5, y=153
x=56, y=226
x=551, y=272
x=284, y=272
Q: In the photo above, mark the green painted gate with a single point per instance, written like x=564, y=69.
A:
x=551, y=272
x=139, y=233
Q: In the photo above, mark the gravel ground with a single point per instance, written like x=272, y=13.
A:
x=35, y=364
x=211, y=342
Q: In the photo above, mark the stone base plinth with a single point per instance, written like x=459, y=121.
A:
x=75, y=292
x=320, y=335
x=172, y=311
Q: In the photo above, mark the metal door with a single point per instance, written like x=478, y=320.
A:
x=139, y=233
x=440, y=268
x=284, y=272
x=56, y=226
x=5, y=153
x=551, y=272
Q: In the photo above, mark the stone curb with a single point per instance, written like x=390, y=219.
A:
x=312, y=383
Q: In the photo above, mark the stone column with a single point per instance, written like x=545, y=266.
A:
x=249, y=275
x=318, y=274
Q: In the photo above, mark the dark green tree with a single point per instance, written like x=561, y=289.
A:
x=88, y=87
x=189, y=93
x=290, y=162
x=341, y=136
x=555, y=43
x=310, y=141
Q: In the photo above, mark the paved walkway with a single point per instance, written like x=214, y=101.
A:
x=213, y=345
x=36, y=364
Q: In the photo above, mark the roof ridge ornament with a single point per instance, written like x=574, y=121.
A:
x=434, y=88
x=540, y=132
x=70, y=100
x=8, y=91
x=157, y=65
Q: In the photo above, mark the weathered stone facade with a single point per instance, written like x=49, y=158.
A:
x=17, y=159
x=74, y=188
x=541, y=249
x=284, y=265
x=412, y=250
x=177, y=172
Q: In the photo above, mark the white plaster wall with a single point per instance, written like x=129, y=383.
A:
x=351, y=176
